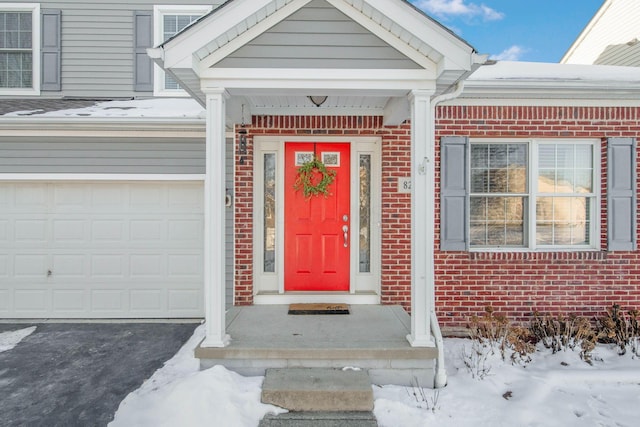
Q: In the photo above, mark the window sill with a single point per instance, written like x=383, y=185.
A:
x=565, y=254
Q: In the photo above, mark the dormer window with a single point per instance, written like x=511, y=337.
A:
x=169, y=21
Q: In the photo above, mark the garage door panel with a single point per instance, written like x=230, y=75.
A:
x=107, y=230
x=107, y=302
x=146, y=230
x=147, y=266
x=29, y=197
x=108, y=198
x=114, y=249
x=107, y=266
x=70, y=197
x=184, y=300
x=70, y=231
x=30, y=231
x=66, y=266
x=184, y=266
x=31, y=300
x=69, y=301
x=30, y=266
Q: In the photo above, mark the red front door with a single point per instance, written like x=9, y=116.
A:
x=317, y=229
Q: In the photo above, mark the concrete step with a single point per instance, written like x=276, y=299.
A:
x=320, y=419
x=318, y=389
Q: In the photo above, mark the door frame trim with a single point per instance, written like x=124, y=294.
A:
x=268, y=288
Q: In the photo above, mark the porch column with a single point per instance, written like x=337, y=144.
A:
x=422, y=218
x=214, y=246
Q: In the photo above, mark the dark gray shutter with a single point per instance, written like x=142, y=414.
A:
x=50, y=50
x=454, y=194
x=142, y=63
x=621, y=194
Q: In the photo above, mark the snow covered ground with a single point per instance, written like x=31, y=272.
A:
x=552, y=390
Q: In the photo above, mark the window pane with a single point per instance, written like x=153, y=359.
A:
x=498, y=168
x=563, y=221
x=497, y=221
x=16, y=63
x=172, y=25
x=270, y=213
x=365, y=213
x=565, y=168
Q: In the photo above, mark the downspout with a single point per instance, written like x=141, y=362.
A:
x=440, y=378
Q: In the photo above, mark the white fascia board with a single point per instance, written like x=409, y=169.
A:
x=227, y=17
x=384, y=34
x=320, y=79
x=458, y=52
x=248, y=35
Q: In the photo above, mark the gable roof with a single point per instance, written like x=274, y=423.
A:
x=615, y=23
x=230, y=48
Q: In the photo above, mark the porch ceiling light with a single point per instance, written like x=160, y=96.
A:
x=317, y=100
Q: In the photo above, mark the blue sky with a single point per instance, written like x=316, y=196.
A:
x=515, y=30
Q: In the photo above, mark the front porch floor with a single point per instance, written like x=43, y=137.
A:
x=371, y=337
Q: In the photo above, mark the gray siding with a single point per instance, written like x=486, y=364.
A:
x=318, y=36
x=102, y=155
x=627, y=54
x=98, y=45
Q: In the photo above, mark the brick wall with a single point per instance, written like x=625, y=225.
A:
x=396, y=221
x=517, y=284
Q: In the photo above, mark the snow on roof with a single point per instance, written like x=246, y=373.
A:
x=149, y=108
x=512, y=70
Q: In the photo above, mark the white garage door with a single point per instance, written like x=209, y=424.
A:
x=101, y=250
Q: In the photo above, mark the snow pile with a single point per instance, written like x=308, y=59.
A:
x=552, y=390
x=148, y=108
x=9, y=340
x=516, y=70
x=179, y=394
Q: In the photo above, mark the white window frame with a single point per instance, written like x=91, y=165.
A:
x=159, y=11
x=34, y=8
x=365, y=287
x=532, y=194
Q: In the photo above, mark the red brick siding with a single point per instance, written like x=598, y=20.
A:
x=396, y=242
x=517, y=284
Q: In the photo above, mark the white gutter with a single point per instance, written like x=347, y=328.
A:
x=440, y=378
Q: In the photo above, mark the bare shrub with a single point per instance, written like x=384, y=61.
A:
x=621, y=329
x=562, y=333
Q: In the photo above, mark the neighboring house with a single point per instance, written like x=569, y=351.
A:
x=458, y=185
x=610, y=38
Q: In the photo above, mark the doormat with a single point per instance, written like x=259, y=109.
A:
x=318, y=308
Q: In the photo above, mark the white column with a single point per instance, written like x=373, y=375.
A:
x=214, y=247
x=422, y=218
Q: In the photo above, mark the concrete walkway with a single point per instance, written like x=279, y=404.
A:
x=68, y=374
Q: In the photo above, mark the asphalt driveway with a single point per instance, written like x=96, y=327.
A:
x=76, y=374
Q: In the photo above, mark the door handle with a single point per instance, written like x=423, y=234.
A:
x=345, y=230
